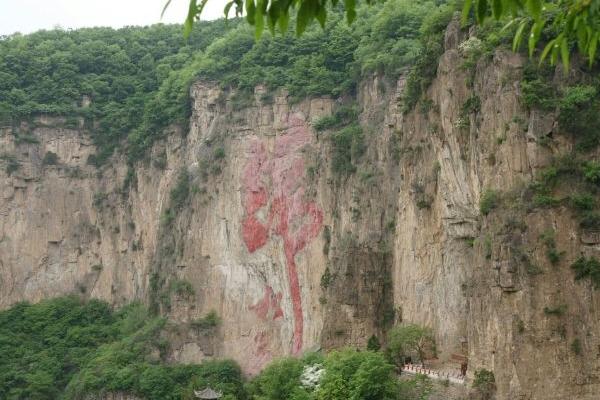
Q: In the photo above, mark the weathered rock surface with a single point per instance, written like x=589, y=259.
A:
x=293, y=257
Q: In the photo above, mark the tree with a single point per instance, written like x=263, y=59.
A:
x=373, y=344
x=408, y=340
x=571, y=21
x=560, y=22
x=357, y=375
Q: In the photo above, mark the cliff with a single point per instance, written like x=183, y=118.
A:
x=301, y=239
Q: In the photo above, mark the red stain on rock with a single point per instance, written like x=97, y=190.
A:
x=268, y=308
x=273, y=182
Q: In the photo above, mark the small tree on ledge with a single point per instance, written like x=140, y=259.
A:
x=408, y=341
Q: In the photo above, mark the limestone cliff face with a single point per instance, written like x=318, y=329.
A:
x=292, y=256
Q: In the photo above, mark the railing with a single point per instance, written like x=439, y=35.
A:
x=454, y=377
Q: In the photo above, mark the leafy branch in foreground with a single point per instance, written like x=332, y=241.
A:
x=565, y=23
x=274, y=13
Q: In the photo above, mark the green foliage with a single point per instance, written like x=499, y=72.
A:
x=489, y=200
x=280, y=380
x=354, y=375
x=578, y=115
x=410, y=340
x=583, y=201
x=11, y=164
x=50, y=158
x=219, y=153
x=591, y=172
x=569, y=21
x=587, y=268
x=552, y=252
x=342, y=116
x=42, y=345
x=471, y=105
x=209, y=321
x=181, y=191
x=576, y=346
x=590, y=221
x=537, y=89
x=348, y=147
x=373, y=344
x=99, y=199
x=425, y=65
x=484, y=383
x=326, y=278
x=136, y=78
x=419, y=388
x=545, y=201
x=182, y=288
x=557, y=310
x=68, y=348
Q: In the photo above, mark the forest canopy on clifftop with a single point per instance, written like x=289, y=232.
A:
x=138, y=78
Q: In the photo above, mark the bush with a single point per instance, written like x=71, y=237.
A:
x=373, y=343
x=219, y=153
x=558, y=310
x=342, y=116
x=591, y=172
x=537, y=89
x=576, y=346
x=350, y=374
x=11, y=163
x=587, y=268
x=209, y=321
x=590, y=221
x=182, y=288
x=484, y=383
x=50, y=158
x=280, y=380
x=181, y=191
x=489, y=201
x=410, y=341
x=545, y=201
x=583, y=201
x=348, y=147
x=578, y=115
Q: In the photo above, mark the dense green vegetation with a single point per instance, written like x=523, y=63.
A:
x=68, y=348
x=65, y=348
x=138, y=79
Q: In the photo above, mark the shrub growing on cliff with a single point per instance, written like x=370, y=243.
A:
x=587, y=268
x=484, y=383
x=50, y=158
x=409, y=341
x=579, y=115
x=348, y=147
x=489, y=201
x=209, y=321
x=181, y=190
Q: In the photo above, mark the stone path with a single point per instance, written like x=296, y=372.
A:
x=452, y=376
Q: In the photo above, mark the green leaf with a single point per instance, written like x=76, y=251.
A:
x=228, y=8
x=250, y=11
x=564, y=54
x=497, y=8
x=519, y=35
x=350, y=6
x=535, y=8
x=592, y=47
x=465, y=12
x=165, y=8
x=534, y=36
x=481, y=11
x=547, y=49
x=322, y=16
